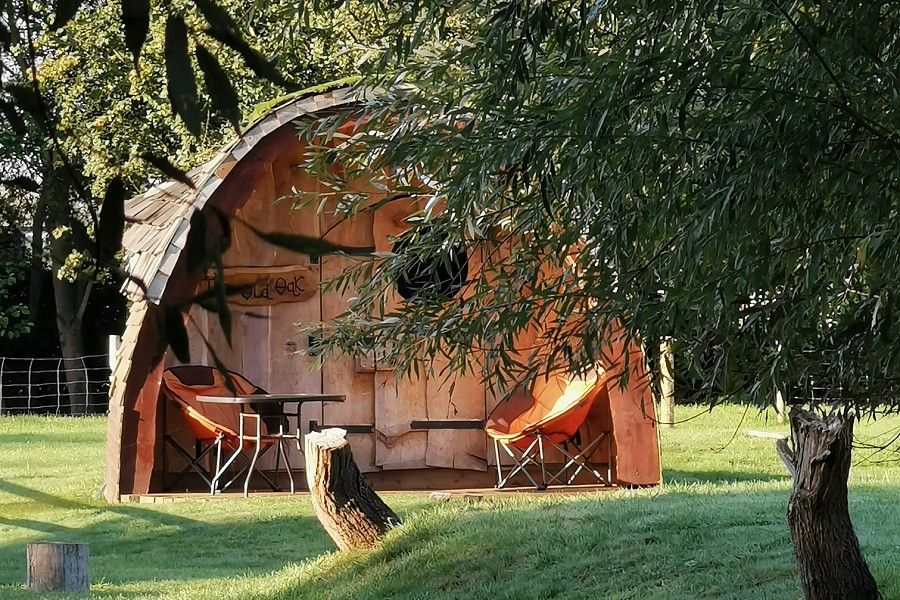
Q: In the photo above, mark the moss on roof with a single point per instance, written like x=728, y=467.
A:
x=262, y=109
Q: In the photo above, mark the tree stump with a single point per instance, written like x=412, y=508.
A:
x=351, y=512
x=57, y=566
x=826, y=549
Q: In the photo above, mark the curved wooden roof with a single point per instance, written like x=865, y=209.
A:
x=160, y=218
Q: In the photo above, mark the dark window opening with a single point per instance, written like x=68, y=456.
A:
x=438, y=277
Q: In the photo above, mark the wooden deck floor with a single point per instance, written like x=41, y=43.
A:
x=468, y=495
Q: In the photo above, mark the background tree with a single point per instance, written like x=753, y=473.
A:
x=112, y=115
x=14, y=314
x=40, y=183
x=85, y=121
x=726, y=175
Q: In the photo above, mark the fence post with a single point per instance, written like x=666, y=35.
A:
x=30, y=369
x=666, y=383
x=780, y=407
x=59, y=367
x=113, y=349
x=2, y=363
x=87, y=387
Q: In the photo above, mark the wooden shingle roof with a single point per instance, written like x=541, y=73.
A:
x=160, y=218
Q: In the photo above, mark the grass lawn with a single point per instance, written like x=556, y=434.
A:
x=715, y=530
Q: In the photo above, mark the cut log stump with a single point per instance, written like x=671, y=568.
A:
x=351, y=512
x=57, y=566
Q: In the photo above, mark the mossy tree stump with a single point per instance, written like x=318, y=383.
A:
x=351, y=512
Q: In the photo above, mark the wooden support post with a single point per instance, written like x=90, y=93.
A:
x=351, y=512
x=779, y=406
x=57, y=566
x=666, y=384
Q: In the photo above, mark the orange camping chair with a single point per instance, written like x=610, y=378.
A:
x=221, y=427
x=551, y=413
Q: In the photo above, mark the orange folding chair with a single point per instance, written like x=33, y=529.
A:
x=220, y=428
x=551, y=413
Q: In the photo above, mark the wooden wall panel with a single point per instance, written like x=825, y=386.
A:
x=248, y=353
x=197, y=328
x=598, y=423
x=131, y=455
x=495, y=258
x=291, y=371
x=457, y=448
x=339, y=375
x=397, y=402
x=635, y=437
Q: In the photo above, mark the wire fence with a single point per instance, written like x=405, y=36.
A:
x=74, y=386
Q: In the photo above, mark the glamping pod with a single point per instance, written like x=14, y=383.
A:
x=407, y=434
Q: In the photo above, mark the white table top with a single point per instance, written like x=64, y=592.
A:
x=272, y=398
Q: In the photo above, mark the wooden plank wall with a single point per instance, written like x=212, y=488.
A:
x=291, y=372
x=457, y=448
x=397, y=402
x=339, y=375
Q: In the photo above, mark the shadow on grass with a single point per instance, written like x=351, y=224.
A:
x=675, y=545
x=160, y=545
x=131, y=544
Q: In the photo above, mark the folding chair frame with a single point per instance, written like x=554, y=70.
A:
x=192, y=460
x=258, y=451
x=579, y=458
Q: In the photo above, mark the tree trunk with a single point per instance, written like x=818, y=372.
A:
x=55, y=566
x=36, y=276
x=826, y=549
x=351, y=512
x=71, y=342
x=71, y=299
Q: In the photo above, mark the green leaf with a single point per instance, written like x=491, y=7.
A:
x=168, y=169
x=111, y=225
x=5, y=37
x=209, y=299
x=217, y=17
x=25, y=97
x=223, y=28
x=65, y=11
x=16, y=123
x=180, y=83
x=176, y=333
x=222, y=299
x=253, y=59
x=311, y=246
x=136, y=23
x=224, y=97
x=195, y=248
x=22, y=182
